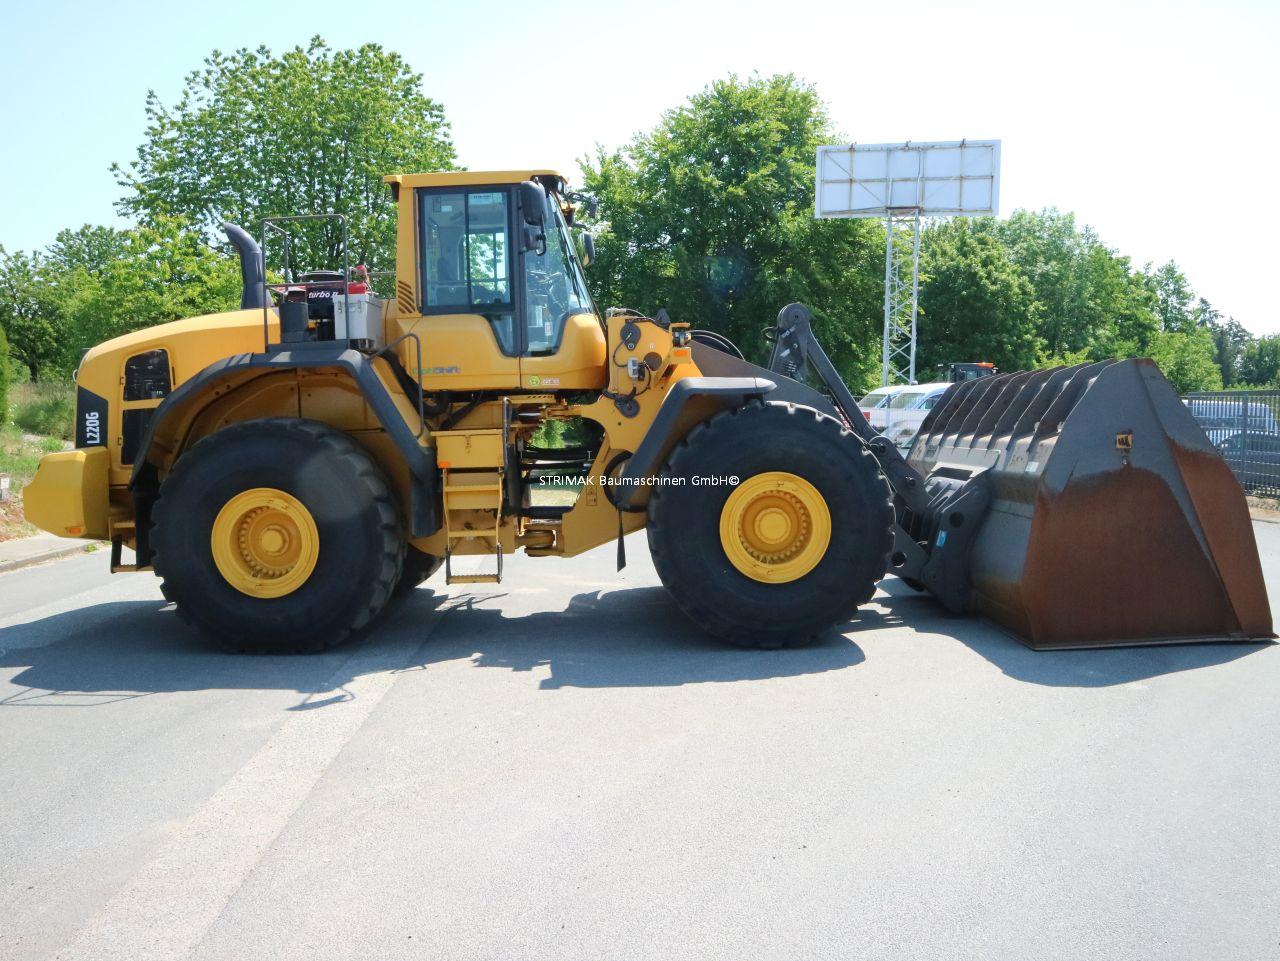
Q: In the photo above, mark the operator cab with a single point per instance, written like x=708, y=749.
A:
x=496, y=252
x=468, y=236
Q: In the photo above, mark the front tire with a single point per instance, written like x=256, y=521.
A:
x=789, y=551
x=277, y=536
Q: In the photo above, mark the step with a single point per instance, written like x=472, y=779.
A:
x=452, y=578
x=474, y=579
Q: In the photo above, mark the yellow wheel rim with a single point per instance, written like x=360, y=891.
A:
x=265, y=543
x=775, y=527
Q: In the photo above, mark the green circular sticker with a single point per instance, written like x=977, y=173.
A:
x=534, y=380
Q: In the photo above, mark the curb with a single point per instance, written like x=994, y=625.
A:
x=53, y=555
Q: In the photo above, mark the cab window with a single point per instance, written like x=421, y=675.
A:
x=466, y=250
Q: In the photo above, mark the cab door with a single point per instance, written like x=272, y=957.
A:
x=470, y=337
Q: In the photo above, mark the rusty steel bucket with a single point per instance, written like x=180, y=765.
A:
x=1107, y=517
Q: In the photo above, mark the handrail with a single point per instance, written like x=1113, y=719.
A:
x=422, y=411
x=270, y=223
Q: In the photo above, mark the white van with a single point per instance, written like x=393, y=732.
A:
x=874, y=405
x=907, y=410
x=1224, y=416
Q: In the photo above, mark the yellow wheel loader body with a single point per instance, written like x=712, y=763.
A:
x=1076, y=507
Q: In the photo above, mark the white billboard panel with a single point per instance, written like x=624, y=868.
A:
x=959, y=178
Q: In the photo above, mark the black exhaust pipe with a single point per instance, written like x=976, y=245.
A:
x=252, y=291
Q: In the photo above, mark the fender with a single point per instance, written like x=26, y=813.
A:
x=178, y=408
x=682, y=410
x=728, y=381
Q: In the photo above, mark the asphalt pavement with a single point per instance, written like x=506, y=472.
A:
x=559, y=766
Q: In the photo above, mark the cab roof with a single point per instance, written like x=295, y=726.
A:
x=467, y=178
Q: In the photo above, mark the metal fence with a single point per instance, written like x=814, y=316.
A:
x=1245, y=426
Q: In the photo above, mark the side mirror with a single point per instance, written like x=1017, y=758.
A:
x=533, y=203
x=586, y=248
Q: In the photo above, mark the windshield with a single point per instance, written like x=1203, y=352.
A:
x=908, y=398
x=554, y=286
x=875, y=398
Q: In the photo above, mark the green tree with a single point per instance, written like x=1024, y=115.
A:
x=1187, y=359
x=88, y=248
x=1174, y=297
x=29, y=313
x=4, y=377
x=1230, y=340
x=96, y=283
x=1090, y=298
x=1049, y=251
x=1260, y=363
x=710, y=215
x=975, y=304
x=158, y=274
x=313, y=130
x=1120, y=306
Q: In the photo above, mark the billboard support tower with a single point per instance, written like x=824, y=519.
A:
x=901, y=297
x=901, y=184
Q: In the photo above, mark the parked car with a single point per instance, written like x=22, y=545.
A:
x=1254, y=457
x=1223, y=417
x=874, y=405
x=907, y=410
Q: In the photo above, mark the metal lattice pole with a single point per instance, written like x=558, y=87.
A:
x=901, y=297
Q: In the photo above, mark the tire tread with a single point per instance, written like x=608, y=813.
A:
x=367, y=473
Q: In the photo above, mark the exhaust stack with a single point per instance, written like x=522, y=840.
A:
x=252, y=292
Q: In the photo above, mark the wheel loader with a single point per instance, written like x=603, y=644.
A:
x=288, y=468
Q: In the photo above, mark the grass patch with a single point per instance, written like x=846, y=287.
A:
x=47, y=408
x=554, y=495
x=19, y=455
x=42, y=419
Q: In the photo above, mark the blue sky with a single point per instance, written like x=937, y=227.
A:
x=1154, y=121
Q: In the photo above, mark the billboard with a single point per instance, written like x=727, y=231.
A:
x=956, y=178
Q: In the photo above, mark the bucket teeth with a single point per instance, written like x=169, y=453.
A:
x=1110, y=518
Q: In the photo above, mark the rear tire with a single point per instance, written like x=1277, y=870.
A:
x=356, y=527
x=691, y=556
x=418, y=566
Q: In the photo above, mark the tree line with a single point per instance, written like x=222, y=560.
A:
x=709, y=214
x=252, y=135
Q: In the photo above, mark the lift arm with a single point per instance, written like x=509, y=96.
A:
x=794, y=349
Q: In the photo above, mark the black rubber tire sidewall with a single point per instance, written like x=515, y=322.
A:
x=684, y=524
x=360, y=550
x=418, y=567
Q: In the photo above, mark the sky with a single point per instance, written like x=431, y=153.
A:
x=1155, y=122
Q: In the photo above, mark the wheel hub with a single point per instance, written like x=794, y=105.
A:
x=775, y=527
x=265, y=542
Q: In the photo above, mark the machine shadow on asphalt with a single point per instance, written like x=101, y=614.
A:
x=1103, y=667
x=627, y=638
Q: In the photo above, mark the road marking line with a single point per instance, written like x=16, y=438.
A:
x=169, y=904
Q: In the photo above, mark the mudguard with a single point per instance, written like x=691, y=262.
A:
x=424, y=511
